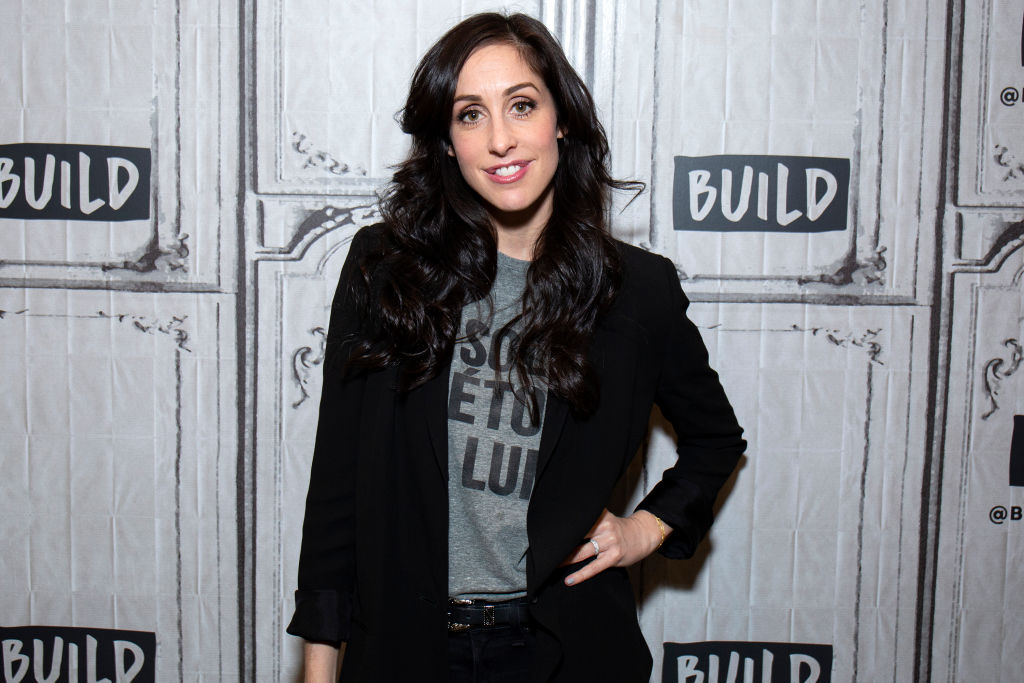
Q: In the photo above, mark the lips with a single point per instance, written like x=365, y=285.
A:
x=508, y=172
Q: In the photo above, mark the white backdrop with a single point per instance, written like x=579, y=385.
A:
x=161, y=373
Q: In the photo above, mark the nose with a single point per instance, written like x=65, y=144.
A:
x=502, y=137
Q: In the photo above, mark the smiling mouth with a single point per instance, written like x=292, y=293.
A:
x=508, y=173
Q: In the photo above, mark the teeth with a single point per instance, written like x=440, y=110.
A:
x=507, y=170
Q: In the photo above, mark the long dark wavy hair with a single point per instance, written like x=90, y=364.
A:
x=440, y=247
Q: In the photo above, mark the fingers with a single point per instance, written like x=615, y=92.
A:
x=604, y=560
x=621, y=541
x=586, y=550
x=610, y=555
x=609, y=540
x=581, y=553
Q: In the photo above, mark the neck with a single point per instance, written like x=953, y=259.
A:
x=518, y=231
x=517, y=244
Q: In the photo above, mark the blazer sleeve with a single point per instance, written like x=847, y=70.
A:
x=709, y=439
x=325, y=595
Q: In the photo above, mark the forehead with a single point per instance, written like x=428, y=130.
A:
x=495, y=67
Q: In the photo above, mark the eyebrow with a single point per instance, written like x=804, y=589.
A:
x=508, y=91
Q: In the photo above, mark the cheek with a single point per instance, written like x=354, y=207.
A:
x=551, y=145
x=462, y=155
x=549, y=140
x=462, y=148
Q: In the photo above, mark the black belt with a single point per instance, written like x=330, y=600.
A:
x=464, y=614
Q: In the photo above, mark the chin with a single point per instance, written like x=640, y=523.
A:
x=511, y=206
x=519, y=206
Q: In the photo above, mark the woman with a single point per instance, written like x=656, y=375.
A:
x=492, y=360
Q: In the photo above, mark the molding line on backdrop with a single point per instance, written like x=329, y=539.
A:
x=995, y=372
x=173, y=327
x=866, y=340
x=316, y=224
x=304, y=361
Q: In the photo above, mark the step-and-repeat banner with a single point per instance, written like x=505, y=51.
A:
x=841, y=188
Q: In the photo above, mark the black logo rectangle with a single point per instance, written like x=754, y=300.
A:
x=725, y=660
x=1017, y=452
x=754, y=193
x=63, y=653
x=74, y=182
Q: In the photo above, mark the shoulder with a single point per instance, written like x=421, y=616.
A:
x=364, y=251
x=646, y=275
x=369, y=239
x=649, y=298
x=365, y=260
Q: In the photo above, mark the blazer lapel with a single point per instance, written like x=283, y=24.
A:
x=557, y=410
x=555, y=413
x=435, y=411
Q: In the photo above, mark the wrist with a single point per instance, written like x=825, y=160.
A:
x=656, y=529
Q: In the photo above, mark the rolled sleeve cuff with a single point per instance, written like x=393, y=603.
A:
x=321, y=616
x=689, y=521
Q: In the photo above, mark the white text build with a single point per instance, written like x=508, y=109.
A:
x=74, y=182
x=748, y=193
x=51, y=654
x=743, y=662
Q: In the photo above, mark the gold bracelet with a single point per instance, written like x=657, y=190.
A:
x=661, y=528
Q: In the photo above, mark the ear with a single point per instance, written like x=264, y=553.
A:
x=561, y=133
x=451, y=150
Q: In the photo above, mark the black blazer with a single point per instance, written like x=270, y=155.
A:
x=374, y=559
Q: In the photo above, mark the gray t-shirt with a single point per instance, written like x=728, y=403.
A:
x=492, y=448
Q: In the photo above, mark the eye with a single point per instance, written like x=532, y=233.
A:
x=469, y=116
x=522, y=108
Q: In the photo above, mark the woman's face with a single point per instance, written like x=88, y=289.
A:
x=504, y=135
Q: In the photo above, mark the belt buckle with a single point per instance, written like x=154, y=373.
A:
x=456, y=627
x=488, y=615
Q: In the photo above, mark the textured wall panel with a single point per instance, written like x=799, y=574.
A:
x=330, y=78
x=117, y=451
x=991, y=104
x=818, y=79
x=160, y=76
x=977, y=625
x=295, y=293
x=811, y=544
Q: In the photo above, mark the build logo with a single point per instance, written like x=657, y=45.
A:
x=74, y=182
x=1017, y=452
x=737, y=193
x=63, y=653
x=733, y=662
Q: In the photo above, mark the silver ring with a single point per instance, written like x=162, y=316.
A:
x=597, y=548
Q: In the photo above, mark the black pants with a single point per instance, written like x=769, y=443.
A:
x=496, y=654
